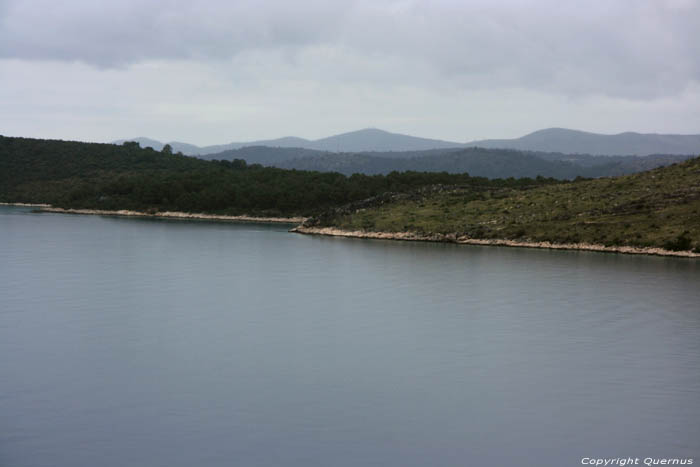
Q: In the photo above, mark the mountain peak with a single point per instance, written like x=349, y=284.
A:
x=375, y=139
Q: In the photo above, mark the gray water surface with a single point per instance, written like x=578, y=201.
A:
x=134, y=342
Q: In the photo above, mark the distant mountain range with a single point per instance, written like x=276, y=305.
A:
x=549, y=140
x=369, y=139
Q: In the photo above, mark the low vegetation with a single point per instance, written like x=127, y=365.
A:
x=658, y=208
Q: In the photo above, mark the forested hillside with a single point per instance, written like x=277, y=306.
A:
x=106, y=176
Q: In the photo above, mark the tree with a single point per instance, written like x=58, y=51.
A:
x=167, y=149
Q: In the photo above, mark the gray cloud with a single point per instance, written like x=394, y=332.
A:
x=129, y=31
x=210, y=72
x=633, y=49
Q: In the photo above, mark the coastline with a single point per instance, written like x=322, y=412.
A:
x=27, y=205
x=442, y=238
x=166, y=215
x=334, y=232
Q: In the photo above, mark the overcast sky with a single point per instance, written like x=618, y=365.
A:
x=211, y=72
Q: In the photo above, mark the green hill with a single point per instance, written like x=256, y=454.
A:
x=659, y=208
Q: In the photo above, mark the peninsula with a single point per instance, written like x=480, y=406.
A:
x=652, y=212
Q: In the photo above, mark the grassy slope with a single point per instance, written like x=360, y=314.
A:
x=658, y=208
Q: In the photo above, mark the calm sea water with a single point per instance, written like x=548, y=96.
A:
x=132, y=342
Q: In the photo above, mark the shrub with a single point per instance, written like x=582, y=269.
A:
x=680, y=243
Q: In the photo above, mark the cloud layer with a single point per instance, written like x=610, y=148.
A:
x=622, y=48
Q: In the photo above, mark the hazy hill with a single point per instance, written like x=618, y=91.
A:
x=480, y=162
x=369, y=139
x=549, y=140
x=285, y=142
x=581, y=142
x=192, y=150
x=491, y=163
x=372, y=139
x=264, y=155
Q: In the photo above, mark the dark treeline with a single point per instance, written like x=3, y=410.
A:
x=105, y=176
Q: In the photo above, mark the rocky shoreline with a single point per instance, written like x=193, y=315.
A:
x=168, y=215
x=452, y=238
x=331, y=231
